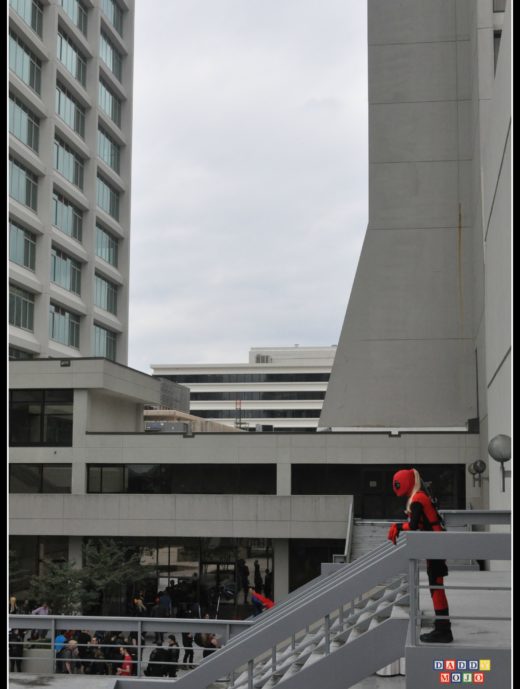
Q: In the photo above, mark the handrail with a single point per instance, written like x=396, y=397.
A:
x=350, y=529
x=225, y=629
x=468, y=517
x=454, y=545
x=345, y=585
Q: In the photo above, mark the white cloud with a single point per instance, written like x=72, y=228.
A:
x=249, y=189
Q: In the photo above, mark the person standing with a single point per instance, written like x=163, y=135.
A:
x=423, y=516
x=268, y=584
x=15, y=650
x=70, y=657
x=125, y=669
x=187, y=642
x=43, y=609
x=258, y=578
x=172, y=657
x=158, y=610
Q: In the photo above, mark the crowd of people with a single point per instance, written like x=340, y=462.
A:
x=114, y=653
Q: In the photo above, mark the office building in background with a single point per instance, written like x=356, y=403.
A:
x=70, y=150
x=279, y=389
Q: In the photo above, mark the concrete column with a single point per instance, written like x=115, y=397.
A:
x=280, y=568
x=283, y=479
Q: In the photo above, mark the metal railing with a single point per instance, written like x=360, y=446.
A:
x=134, y=630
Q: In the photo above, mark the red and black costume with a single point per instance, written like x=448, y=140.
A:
x=423, y=516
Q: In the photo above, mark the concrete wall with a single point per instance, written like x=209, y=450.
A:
x=231, y=516
x=406, y=356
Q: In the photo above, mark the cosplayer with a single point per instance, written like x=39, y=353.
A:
x=423, y=516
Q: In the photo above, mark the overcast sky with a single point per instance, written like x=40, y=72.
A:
x=249, y=175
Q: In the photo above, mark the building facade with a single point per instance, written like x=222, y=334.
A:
x=279, y=389
x=70, y=149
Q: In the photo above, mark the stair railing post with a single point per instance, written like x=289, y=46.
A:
x=250, y=664
x=139, y=646
x=273, y=659
x=414, y=599
x=327, y=635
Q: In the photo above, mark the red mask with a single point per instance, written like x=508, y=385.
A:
x=403, y=482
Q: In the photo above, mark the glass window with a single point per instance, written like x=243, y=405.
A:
x=24, y=63
x=113, y=479
x=266, y=396
x=109, y=103
x=24, y=478
x=71, y=58
x=251, y=479
x=105, y=294
x=65, y=271
x=249, y=377
x=77, y=12
x=40, y=478
x=70, y=110
x=66, y=217
x=41, y=417
x=107, y=198
x=259, y=413
x=110, y=56
x=63, y=326
x=19, y=354
x=31, y=11
x=21, y=308
x=24, y=124
x=114, y=14
x=106, y=246
x=68, y=163
x=108, y=150
x=104, y=343
x=22, y=246
x=23, y=184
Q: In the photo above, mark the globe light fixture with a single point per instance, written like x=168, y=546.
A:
x=499, y=449
x=476, y=469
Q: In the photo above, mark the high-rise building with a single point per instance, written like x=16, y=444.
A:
x=279, y=389
x=70, y=147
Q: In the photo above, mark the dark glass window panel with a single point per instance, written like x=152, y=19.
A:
x=113, y=479
x=146, y=478
x=252, y=479
x=58, y=425
x=41, y=417
x=59, y=395
x=24, y=478
x=94, y=479
x=259, y=413
x=56, y=478
x=306, y=556
x=447, y=485
x=248, y=377
x=27, y=395
x=268, y=395
x=25, y=424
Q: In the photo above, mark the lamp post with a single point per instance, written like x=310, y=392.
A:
x=499, y=449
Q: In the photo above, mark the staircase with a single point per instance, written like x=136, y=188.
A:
x=355, y=617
